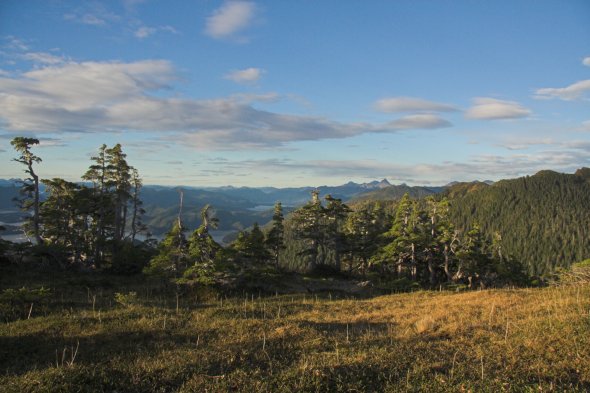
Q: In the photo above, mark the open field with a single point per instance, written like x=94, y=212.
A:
x=82, y=339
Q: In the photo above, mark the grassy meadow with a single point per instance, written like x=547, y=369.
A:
x=97, y=335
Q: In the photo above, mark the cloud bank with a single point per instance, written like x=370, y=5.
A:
x=113, y=96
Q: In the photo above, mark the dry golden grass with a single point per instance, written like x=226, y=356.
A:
x=493, y=340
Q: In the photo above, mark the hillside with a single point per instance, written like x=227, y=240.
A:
x=93, y=337
x=544, y=220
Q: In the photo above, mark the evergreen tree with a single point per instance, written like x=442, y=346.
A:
x=472, y=257
x=335, y=212
x=275, y=240
x=203, y=249
x=137, y=211
x=250, y=246
x=362, y=229
x=120, y=181
x=98, y=174
x=173, y=254
x=30, y=186
x=398, y=249
x=65, y=213
x=308, y=226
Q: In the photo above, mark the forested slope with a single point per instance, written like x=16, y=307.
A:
x=544, y=220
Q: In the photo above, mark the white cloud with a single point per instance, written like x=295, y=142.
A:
x=492, y=109
x=87, y=19
x=420, y=121
x=248, y=75
x=144, y=32
x=586, y=61
x=15, y=43
x=568, y=93
x=43, y=58
x=93, y=14
x=410, y=104
x=109, y=96
x=231, y=18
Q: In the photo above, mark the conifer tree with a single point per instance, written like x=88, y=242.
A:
x=97, y=173
x=30, y=186
x=309, y=228
x=251, y=246
x=335, y=212
x=472, y=256
x=362, y=229
x=275, y=239
x=65, y=213
x=173, y=255
x=119, y=178
x=203, y=249
x=398, y=250
x=137, y=211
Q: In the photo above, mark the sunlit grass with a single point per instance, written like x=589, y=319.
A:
x=494, y=340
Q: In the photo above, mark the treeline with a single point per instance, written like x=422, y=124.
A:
x=411, y=240
x=468, y=240
x=544, y=219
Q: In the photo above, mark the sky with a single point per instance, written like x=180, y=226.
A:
x=298, y=93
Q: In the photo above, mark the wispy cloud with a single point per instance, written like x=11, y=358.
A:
x=109, y=96
x=569, y=93
x=586, y=61
x=492, y=109
x=146, y=31
x=410, y=104
x=93, y=14
x=246, y=76
x=43, y=58
x=230, y=19
x=15, y=43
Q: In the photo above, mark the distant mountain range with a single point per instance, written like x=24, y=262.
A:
x=240, y=207
x=236, y=207
x=523, y=208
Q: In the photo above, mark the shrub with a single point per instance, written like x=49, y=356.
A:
x=126, y=299
x=19, y=303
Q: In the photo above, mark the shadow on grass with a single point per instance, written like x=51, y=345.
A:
x=20, y=354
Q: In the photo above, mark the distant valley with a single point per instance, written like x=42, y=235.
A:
x=236, y=207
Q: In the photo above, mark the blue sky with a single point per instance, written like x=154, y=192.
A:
x=292, y=93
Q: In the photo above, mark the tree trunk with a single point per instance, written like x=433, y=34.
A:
x=446, y=265
x=431, y=269
x=413, y=267
x=36, y=226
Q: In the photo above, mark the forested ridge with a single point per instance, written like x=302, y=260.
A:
x=544, y=220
